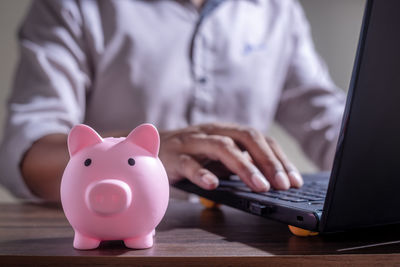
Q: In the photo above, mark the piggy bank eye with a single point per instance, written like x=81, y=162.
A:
x=87, y=162
x=131, y=161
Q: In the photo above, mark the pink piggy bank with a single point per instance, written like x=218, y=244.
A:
x=114, y=188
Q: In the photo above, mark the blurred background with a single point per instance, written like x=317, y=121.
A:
x=335, y=27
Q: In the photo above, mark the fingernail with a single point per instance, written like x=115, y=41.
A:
x=209, y=180
x=282, y=180
x=260, y=182
x=297, y=178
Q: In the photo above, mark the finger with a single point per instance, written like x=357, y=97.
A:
x=225, y=150
x=253, y=141
x=192, y=170
x=296, y=180
x=217, y=168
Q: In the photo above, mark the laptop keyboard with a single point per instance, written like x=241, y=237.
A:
x=311, y=192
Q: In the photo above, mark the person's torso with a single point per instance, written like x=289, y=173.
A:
x=154, y=62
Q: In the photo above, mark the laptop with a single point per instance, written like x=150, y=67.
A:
x=362, y=189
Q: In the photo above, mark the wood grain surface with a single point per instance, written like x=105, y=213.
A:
x=190, y=235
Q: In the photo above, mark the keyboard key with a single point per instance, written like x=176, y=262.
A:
x=292, y=199
x=316, y=203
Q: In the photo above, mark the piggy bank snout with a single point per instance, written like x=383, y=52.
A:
x=108, y=197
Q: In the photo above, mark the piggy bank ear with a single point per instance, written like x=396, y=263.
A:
x=82, y=136
x=147, y=137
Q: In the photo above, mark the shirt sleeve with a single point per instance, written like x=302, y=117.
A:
x=311, y=106
x=48, y=94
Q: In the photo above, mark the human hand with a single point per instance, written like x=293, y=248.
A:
x=258, y=161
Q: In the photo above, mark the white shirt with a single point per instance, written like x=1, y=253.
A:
x=116, y=64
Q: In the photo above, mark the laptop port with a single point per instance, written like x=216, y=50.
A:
x=259, y=209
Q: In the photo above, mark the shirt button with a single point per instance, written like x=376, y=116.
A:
x=202, y=80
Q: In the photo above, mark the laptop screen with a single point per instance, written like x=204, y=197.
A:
x=365, y=181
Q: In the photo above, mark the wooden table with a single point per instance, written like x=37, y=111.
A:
x=190, y=235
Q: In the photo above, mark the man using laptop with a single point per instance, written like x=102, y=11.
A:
x=362, y=189
x=183, y=66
